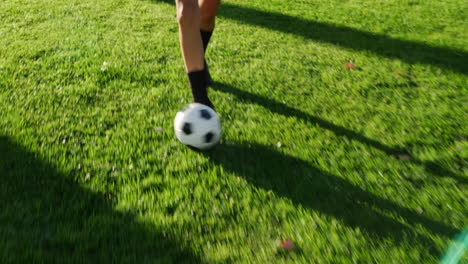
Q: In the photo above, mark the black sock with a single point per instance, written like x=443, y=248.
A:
x=205, y=36
x=198, y=85
x=209, y=80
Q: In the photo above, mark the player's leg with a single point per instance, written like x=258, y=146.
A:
x=188, y=17
x=208, y=12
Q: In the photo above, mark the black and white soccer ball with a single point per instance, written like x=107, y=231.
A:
x=197, y=126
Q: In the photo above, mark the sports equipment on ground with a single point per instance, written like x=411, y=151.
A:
x=197, y=126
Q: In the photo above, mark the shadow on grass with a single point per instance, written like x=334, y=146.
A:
x=408, y=51
x=282, y=109
x=320, y=191
x=45, y=218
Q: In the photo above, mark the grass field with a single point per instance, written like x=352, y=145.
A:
x=364, y=165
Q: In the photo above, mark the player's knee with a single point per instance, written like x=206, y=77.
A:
x=208, y=14
x=207, y=17
x=186, y=11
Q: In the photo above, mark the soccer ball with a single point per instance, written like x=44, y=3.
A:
x=197, y=126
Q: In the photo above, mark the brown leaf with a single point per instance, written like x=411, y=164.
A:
x=287, y=244
x=349, y=65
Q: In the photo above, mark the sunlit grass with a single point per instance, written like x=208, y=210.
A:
x=364, y=165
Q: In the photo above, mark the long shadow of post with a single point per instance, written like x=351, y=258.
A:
x=286, y=110
x=46, y=217
x=408, y=51
x=318, y=190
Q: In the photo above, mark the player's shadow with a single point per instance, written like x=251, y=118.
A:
x=285, y=110
x=46, y=217
x=320, y=191
x=409, y=51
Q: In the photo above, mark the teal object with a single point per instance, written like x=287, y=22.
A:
x=456, y=249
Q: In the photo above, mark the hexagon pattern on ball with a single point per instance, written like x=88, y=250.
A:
x=209, y=137
x=197, y=126
x=205, y=114
x=187, y=128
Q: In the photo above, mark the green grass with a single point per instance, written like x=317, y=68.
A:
x=365, y=165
